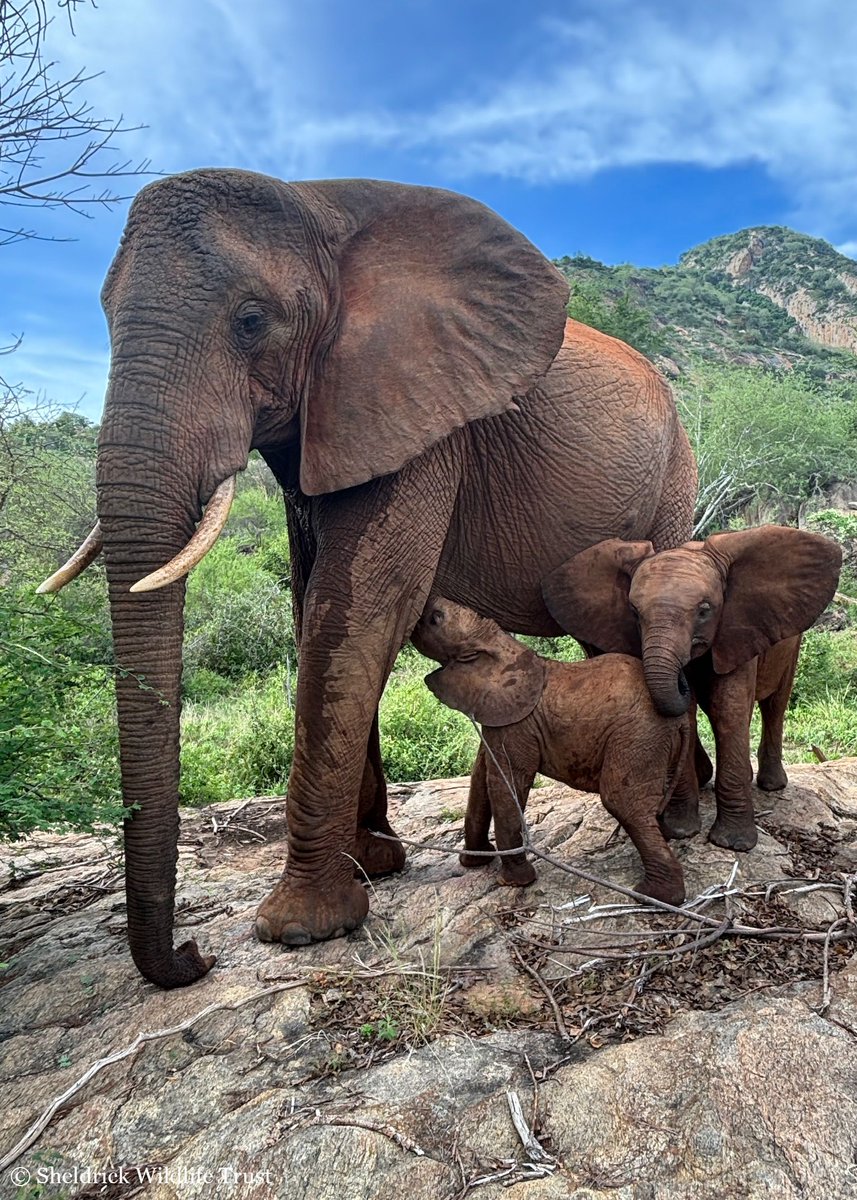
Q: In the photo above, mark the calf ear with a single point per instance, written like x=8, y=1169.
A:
x=493, y=689
x=778, y=582
x=588, y=595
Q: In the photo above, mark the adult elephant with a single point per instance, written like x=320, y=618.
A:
x=400, y=357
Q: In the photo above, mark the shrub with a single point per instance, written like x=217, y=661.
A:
x=58, y=759
x=420, y=737
x=240, y=745
x=245, y=632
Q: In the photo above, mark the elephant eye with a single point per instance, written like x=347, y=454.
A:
x=704, y=608
x=249, y=324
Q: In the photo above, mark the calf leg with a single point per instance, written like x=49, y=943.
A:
x=730, y=707
x=510, y=777
x=633, y=798
x=478, y=818
x=680, y=818
x=772, y=775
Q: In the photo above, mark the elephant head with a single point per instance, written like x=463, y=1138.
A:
x=486, y=673
x=341, y=327
x=735, y=594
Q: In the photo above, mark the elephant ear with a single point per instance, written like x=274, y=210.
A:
x=588, y=595
x=446, y=313
x=493, y=688
x=778, y=581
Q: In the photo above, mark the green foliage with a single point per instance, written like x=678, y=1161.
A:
x=563, y=649
x=621, y=317
x=58, y=765
x=239, y=745
x=385, y=1029
x=763, y=436
x=420, y=737
x=827, y=665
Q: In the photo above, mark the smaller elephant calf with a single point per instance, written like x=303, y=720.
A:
x=590, y=724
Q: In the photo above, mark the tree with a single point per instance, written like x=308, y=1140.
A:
x=763, y=435
x=52, y=146
x=621, y=318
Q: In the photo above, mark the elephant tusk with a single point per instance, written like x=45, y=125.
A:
x=86, y=553
x=207, y=533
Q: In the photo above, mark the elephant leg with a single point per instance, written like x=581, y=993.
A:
x=375, y=856
x=477, y=820
x=703, y=765
x=772, y=774
x=680, y=818
x=510, y=777
x=730, y=708
x=632, y=797
x=368, y=585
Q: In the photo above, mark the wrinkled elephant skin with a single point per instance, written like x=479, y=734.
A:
x=722, y=619
x=591, y=725
x=401, y=358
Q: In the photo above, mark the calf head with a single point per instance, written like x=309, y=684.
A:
x=485, y=672
x=735, y=594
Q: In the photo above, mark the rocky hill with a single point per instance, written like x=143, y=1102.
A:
x=766, y=295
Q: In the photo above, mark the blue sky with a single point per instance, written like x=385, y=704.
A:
x=629, y=130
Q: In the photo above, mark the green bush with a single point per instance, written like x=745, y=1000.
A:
x=239, y=745
x=244, y=632
x=420, y=737
x=58, y=761
x=759, y=435
x=827, y=666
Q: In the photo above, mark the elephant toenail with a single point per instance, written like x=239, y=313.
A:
x=263, y=930
x=295, y=935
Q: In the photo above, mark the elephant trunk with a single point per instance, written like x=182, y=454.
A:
x=147, y=511
x=666, y=680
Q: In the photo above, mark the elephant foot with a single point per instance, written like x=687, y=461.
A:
x=296, y=914
x=667, y=889
x=734, y=833
x=471, y=860
x=772, y=778
x=516, y=873
x=378, y=856
x=679, y=823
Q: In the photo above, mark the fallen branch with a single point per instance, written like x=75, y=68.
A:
x=551, y=999
x=39, y=1126
x=387, y=1131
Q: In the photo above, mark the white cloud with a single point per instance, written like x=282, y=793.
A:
x=624, y=83
x=849, y=249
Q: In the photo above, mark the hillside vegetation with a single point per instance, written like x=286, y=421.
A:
x=766, y=296
x=772, y=417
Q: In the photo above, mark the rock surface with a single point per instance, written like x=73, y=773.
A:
x=385, y=1061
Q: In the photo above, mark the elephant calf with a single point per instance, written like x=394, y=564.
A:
x=591, y=725
x=722, y=619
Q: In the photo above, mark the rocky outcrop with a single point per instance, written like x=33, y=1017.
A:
x=829, y=326
x=467, y=1034
x=742, y=261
